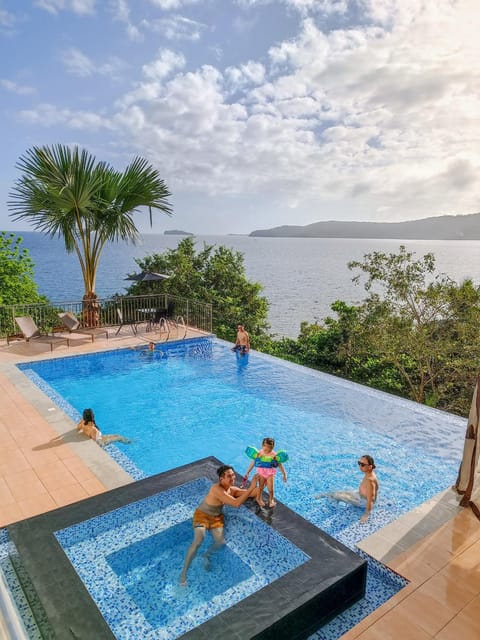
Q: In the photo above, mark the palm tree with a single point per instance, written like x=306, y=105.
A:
x=65, y=192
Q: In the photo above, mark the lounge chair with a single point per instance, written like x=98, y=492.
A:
x=123, y=321
x=31, y=332
x=73, y=326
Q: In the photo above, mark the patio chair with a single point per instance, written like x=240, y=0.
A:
x=31, y=332
x=123, y=321
x=73, y=326
x=166, y=314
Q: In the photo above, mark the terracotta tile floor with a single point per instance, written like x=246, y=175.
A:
x=39, y=471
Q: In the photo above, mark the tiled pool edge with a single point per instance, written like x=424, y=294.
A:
x=56, y=584
x=403, y=533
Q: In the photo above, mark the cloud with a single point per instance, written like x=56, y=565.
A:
x=176, y=27
x=7, y=19
x=121, y=12
x=14, y=87
x=173, y=4
x=380, y=116
x=49, y=115
x=79, y=64
x=166, y=62
x=80, y=7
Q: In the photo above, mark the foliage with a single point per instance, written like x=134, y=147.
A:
x=17, y=285
x=66, y=192
x=214, y=275
x=415, y=334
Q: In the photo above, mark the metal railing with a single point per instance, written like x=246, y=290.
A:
x=102, y=312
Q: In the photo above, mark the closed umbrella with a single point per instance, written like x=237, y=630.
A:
x=468, y=480
x=147, y=276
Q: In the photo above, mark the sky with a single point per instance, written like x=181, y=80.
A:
x=257, y=113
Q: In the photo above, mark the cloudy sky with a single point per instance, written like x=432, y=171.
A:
x=257, y=113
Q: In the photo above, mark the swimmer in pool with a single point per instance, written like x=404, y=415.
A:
x=89, y=427
x=367, y=491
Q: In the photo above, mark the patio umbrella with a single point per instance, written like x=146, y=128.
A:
x=147, y=276
x=468, y=480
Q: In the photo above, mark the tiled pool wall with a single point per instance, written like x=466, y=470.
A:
x=23, y=598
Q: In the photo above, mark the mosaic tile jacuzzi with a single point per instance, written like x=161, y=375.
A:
x=129, y=561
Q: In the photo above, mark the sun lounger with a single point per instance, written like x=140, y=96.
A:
x=73, y=326
x=31, y=332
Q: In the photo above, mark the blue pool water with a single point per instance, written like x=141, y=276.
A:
x=132, y=555
x=184, y=402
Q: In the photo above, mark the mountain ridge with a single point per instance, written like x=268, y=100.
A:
x=446, y=227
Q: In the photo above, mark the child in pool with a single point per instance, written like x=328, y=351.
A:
x=266, y=472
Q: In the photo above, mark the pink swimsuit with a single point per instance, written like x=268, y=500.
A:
x=266, y=472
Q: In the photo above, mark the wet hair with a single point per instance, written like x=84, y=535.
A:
x=223, y=469
x=88, y=415
x=269, y=441
x=370, y=461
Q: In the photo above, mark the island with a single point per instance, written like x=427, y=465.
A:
x=447, y=227
x=177, y=232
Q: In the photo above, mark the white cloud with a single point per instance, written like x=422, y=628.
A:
x=14, y=87
x=246, y=74
x=173, y=4
x=380, y=119
x=176, y=27
x=166, y=62
x=80, y=7
x=79, y=64
x=7, y=19
x=121, y=12
x=49, y=115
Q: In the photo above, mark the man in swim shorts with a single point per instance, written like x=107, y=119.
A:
x=209, y=515
x=242, y=343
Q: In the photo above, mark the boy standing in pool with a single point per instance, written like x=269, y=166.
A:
x=209, y=515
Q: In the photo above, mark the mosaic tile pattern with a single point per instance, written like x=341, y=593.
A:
x=7, y=552
x=129, y=559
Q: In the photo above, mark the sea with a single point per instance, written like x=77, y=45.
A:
x=301, y=277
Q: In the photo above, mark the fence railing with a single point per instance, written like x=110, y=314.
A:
x=104, y=312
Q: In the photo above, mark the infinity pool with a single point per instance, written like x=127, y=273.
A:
x=195, y=399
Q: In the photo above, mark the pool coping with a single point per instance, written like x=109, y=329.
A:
x=332, y=580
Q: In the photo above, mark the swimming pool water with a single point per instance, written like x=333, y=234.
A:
x=130, y=560
x=184, y=402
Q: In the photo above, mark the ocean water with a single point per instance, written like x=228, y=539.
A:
x=301, y=277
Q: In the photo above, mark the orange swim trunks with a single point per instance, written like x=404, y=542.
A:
x=201, y=519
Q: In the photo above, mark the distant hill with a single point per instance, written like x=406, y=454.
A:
x=177, y=232
x=461, y=227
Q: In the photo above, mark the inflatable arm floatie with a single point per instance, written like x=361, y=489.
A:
x=266, y=461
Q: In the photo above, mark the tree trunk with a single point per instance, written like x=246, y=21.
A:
x=91, y=310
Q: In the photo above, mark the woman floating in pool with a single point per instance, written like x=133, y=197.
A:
x=209, y=515
x=367, y=491
x=88, y=426
x=266, y=461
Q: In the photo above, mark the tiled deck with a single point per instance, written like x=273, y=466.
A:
x=45, y=464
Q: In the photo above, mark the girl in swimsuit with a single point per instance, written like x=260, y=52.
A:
x=266, y=473
x=88, y=426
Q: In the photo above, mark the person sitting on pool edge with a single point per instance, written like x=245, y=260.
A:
x=209, y=515
x=367, y=491
x=88, y=426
